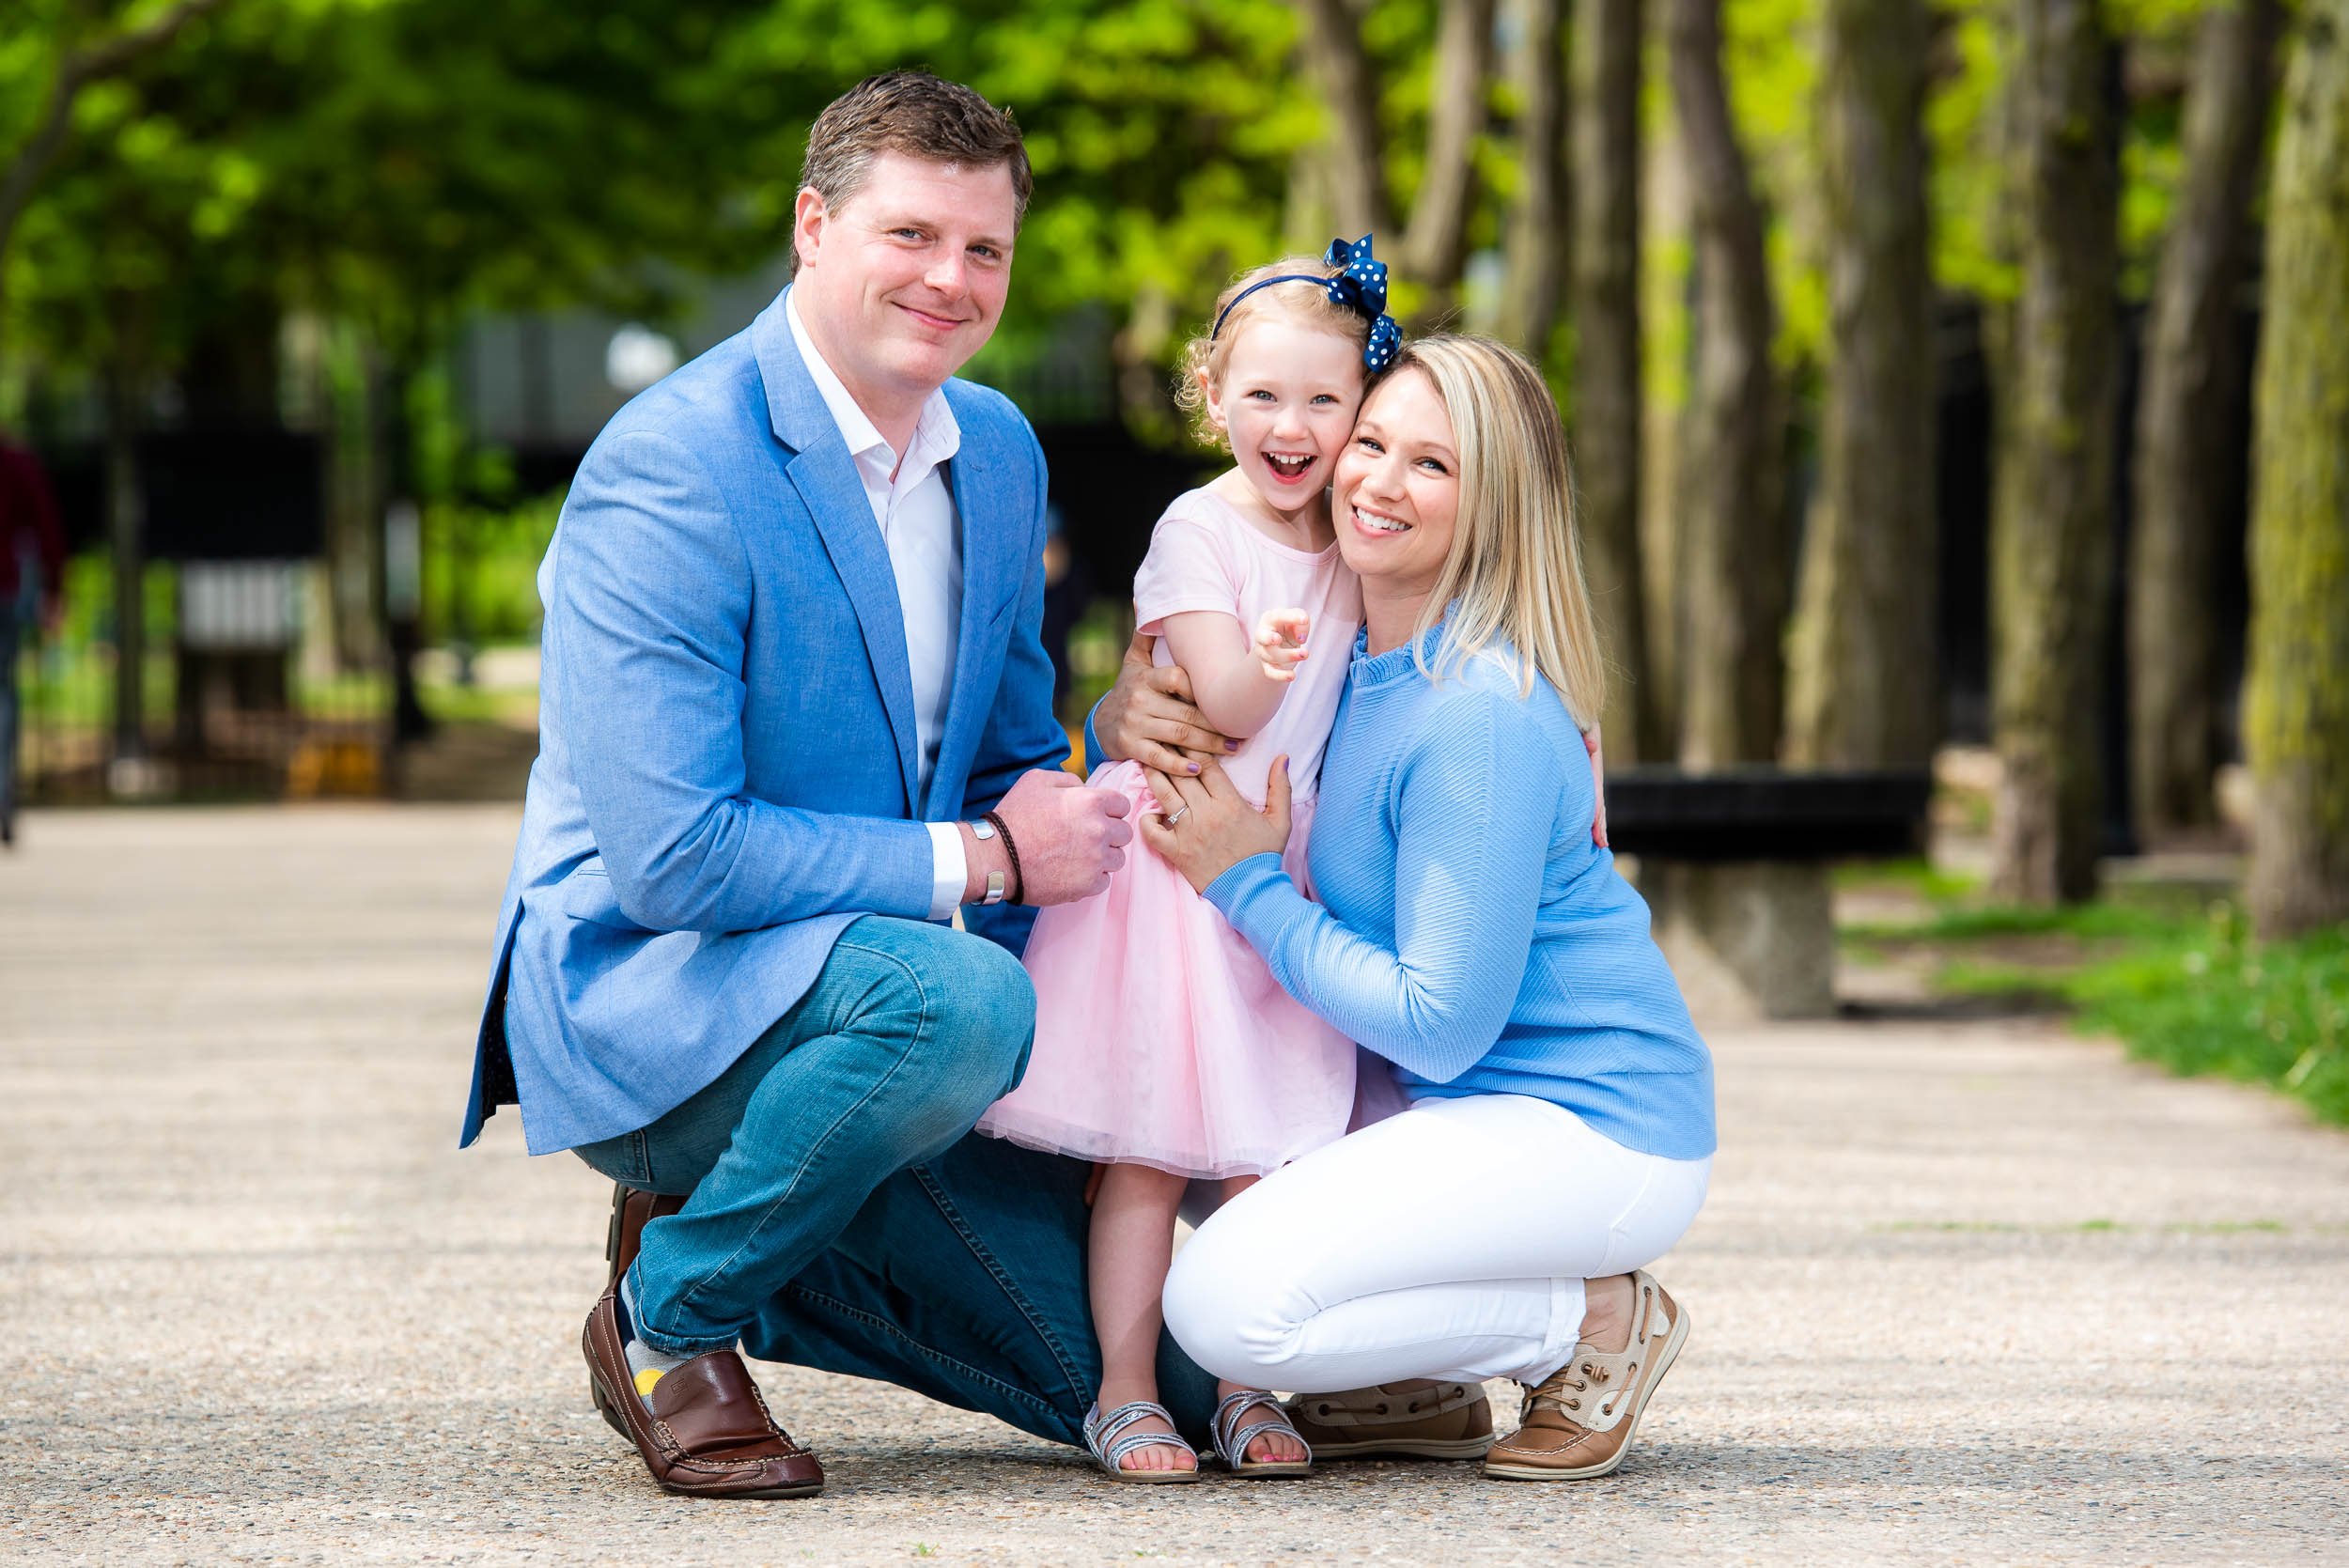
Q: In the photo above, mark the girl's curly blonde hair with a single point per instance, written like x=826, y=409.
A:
x=1297, y=303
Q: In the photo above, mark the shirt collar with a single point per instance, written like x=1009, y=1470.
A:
x=936, y=435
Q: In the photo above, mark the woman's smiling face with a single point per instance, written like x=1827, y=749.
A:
x=1397, y=490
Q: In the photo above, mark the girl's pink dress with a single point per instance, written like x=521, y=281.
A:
x=1160, y=1037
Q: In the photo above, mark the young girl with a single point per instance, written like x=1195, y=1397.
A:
x=1163, y=1048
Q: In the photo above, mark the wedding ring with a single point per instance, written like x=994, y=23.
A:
x=1177, y=814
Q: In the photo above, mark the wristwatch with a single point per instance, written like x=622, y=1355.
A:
x=986, y=829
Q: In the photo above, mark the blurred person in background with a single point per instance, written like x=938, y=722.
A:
x=32, y=592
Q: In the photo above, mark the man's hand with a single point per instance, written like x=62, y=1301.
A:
x=1069, y=837
x=1280, y=641
x=1149, y=717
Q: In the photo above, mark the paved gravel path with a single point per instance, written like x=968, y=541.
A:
x=1970, y=1291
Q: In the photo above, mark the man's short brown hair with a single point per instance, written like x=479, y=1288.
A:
x=914, y=112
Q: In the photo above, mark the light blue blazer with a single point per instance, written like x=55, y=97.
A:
x=727, y=772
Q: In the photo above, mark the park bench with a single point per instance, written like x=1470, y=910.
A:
x=1734, y=864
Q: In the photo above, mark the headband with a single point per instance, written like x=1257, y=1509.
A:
x=1360, y=286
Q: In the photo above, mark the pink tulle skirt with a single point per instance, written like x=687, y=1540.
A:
x=1160, y=1037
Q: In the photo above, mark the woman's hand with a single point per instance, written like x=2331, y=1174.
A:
x=1206, y=826
x=1149, y=717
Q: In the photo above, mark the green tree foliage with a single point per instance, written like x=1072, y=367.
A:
x=387, y=167
x=394, y=162
x=405, y=158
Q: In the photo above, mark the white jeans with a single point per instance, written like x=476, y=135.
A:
x=1451, y=1241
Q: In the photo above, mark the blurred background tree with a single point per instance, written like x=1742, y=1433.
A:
x=1865, y=685
x=2297, y=708
x=1784, y=260
x=2196, y=346
x=2051, y=543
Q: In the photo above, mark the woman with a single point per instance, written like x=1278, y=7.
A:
x=1561, y=1128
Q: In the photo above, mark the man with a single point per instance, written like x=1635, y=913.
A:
x=795, y=711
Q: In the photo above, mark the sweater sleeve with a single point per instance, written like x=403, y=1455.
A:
x=1473, y=821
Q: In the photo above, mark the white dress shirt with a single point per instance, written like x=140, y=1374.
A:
x=914, y=509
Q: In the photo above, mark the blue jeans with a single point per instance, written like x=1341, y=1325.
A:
x=842, y=1216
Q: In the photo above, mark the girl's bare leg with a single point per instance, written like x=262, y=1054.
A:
x=1134, y=1242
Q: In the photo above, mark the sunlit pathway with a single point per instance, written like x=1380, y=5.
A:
x=1976, y=1291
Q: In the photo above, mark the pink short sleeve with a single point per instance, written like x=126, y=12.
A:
x=1190, y=566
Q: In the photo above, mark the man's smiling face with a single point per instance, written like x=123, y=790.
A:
x=904, y=281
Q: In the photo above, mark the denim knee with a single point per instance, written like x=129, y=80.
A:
x=987, y=1016
x=976, y=1009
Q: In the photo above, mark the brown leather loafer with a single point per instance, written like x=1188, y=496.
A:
x=708, y=1432
x=1437, y=1420
x=632, y=1210
x=1579, y=1420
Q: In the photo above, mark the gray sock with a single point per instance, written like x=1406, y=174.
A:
x=646, y=1364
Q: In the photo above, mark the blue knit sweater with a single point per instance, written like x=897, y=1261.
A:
x=1469, y=931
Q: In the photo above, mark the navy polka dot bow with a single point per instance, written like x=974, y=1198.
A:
x=1360, y=288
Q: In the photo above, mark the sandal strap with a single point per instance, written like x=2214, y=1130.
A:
x=1232, y=1446
x=1110, y=1442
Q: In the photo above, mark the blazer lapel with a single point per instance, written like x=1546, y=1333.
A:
x=825, y=476
x=991, y=541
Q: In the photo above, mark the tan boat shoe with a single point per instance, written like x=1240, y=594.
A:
x=1396, y=1421
x=1579, y=1420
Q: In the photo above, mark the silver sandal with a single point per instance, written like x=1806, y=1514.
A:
x=1109, y=1442
x=1232, y=1446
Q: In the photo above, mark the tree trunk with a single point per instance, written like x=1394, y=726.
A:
x=1435, y=248
x=1668, y=227
x=1603, y=111
x=356, y=501
x=1335, y=56
x=1865, y=682
x=2192, y=346
x=2052, y=544
x=2297, y=695
x=1307, y=219
x=1534, y=281
x=1733, y=509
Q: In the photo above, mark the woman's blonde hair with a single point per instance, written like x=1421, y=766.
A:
x=1515, y=563
x=1299, y=304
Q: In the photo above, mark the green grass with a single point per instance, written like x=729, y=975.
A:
x=2213, y=1001
x=2179, y=981
x=1921, y=877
